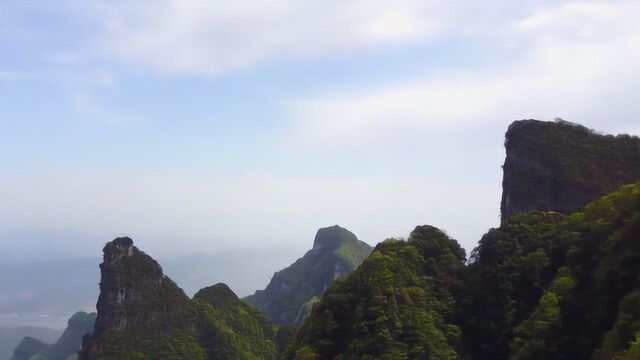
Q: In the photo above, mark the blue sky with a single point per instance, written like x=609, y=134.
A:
x=253, y=123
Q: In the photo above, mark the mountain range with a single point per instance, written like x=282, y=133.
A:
x=558, y=279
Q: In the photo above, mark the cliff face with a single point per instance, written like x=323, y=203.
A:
x=542, y=286
x=144, y=314
x=561, y=166
x=139, y=309
x=336, y=252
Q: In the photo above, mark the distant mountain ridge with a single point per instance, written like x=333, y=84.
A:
x=288, y=297
x=66, y=347
x=10, y=338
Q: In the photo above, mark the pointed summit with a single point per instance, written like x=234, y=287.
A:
x=336, y=252
x=333, y=236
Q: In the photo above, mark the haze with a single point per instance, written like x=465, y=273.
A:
x=201, y=126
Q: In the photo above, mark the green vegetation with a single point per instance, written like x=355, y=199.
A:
x=232, y=329
x=290, y=294
x=396, y=305
x=542, y=286
x=142, y=314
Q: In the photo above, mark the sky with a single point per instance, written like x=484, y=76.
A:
x=195, y=126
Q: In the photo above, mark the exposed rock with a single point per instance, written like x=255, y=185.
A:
x=144, y=314
x=562, y=166
x=137, y=298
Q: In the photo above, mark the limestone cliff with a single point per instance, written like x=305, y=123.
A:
x=562, y=166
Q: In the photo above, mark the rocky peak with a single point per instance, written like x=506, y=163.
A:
x=218, y=295
x=562, y=166
x=129, y=277
x=332, y=237
x=336, y=252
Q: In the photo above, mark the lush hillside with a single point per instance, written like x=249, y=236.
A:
x=561, y=166
x=287, y=298
x=142, y=314
x=542, y=286
x=396, y=305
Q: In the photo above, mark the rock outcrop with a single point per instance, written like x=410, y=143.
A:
x=142, y=313
x=139, y=309
x=561, y=166
x=286, y=299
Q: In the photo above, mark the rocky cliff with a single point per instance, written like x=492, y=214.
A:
x=562, y=166
x=143, y=314
x=287, y=298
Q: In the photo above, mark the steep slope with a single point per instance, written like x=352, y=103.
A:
x=561, y=166
x=140, y=311
x=591, y=308
x=396, y=305
x=142, y=314
x=542, y=286
x=336, y=252
x=229, y=328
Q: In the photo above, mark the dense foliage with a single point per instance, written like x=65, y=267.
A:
x=288, y=298
x=561, y=166
x=396, y=305
x=542, y=286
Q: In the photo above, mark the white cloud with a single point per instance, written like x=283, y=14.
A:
x=578, y=61
x=212, y=37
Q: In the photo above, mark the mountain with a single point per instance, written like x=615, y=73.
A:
x=397, y=303
x=143, y=314
x=561, y=166
x=28, y=348
x=59, y=288
x=288, y=297
x=542, y=286
x=11, y=337
x=67, y=346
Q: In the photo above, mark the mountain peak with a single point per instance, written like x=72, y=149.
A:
x=218, y=295
x=332, y=236
x=336, y=252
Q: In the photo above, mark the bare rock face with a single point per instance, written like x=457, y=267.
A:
x=142, y=314
x=137, y=305
x=128, y=278
x=561, y=166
